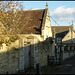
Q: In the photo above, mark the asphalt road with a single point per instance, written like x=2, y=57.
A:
x=67, y=67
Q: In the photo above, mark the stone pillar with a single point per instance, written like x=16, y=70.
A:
x=35, y=52
x=63, y=53
x=38, y=68
x=53, y=48
x=21, y=55
x=53, y=52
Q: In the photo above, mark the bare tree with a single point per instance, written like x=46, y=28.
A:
x=10, y=14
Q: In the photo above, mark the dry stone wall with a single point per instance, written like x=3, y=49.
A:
x=9, y=58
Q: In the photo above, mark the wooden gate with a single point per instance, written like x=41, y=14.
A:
x=27, y=56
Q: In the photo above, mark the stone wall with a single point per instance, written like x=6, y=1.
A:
x=68, y=54
x=68, y=38
x=9, y=58
x=45, y=49
x=12, y=57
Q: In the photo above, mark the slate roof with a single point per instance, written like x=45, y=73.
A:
x=61, y=31
x=29, y=22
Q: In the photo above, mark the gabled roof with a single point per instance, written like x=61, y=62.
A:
x=31, y=21
x=61, y=31
x=28, y=22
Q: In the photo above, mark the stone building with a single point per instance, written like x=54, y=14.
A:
x=34, y=45
x=65, y=41
x=63, y=33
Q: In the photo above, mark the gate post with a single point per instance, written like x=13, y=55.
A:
x=61, y=54
x=38, y=68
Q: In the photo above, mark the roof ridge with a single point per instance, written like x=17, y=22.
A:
x=35, y=10
x=59, y=26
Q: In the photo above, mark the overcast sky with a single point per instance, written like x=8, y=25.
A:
x=63, y=12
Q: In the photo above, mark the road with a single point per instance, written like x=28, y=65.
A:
x=67, y=67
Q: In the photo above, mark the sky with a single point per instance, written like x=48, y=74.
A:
x=63, y=12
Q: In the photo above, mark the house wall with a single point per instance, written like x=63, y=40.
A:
x=46, y=25
x=47, y=32
x=68, y=37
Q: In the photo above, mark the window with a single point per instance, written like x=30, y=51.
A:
x=59, y=40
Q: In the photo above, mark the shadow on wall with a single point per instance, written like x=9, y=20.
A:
x=67, y=49
x=21, y=58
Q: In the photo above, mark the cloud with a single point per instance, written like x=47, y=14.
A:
x=63, y=14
